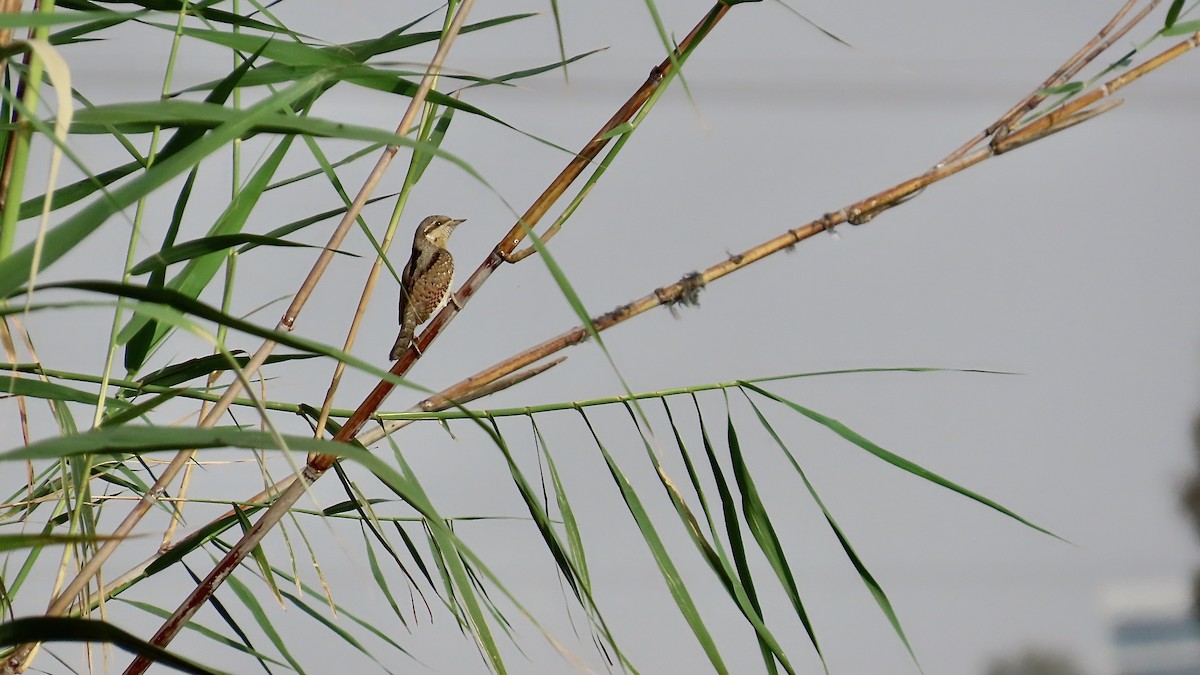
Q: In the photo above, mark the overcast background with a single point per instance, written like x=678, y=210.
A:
x=1071, y=262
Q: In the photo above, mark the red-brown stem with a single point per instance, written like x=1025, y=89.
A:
x=321, y=463
x=318, y=464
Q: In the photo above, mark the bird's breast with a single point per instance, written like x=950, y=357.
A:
x=431, y=288
x=445, y=293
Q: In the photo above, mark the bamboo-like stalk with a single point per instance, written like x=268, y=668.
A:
x=62, y=602
x=360, y=310
x=318, y=464
x=686, y=290
x=196, y=599
x=7, y=163
x=1055, y=120
x=447, y=399
x=508, y=243
x=1099, y=44
x=682, y=291
x=10, y=142
x=434, y=403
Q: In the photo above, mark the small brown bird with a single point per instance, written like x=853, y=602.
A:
x=425, y=284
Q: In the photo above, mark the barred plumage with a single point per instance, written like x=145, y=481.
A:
x=426, y=283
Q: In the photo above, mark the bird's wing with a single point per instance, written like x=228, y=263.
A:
x=405, y=279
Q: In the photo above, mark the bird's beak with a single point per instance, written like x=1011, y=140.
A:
x=456, y=223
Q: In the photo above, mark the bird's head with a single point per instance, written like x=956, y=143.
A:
x=437, y=229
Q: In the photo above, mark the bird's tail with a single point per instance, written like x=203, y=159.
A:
x=402, y=342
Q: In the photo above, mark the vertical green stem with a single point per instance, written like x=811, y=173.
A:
x=16, y=185
x=135, y=234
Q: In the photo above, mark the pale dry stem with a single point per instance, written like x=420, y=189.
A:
x=289, y=496
x=859, y=212
x=1103, y=39
x=863, y=211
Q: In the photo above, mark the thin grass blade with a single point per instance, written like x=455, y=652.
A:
x=894, y=459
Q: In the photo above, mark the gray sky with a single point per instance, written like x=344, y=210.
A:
x=1071, y=262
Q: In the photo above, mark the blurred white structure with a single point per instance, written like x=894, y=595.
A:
x=1154, y=631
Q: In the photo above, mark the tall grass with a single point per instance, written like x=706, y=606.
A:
x=173, y=426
